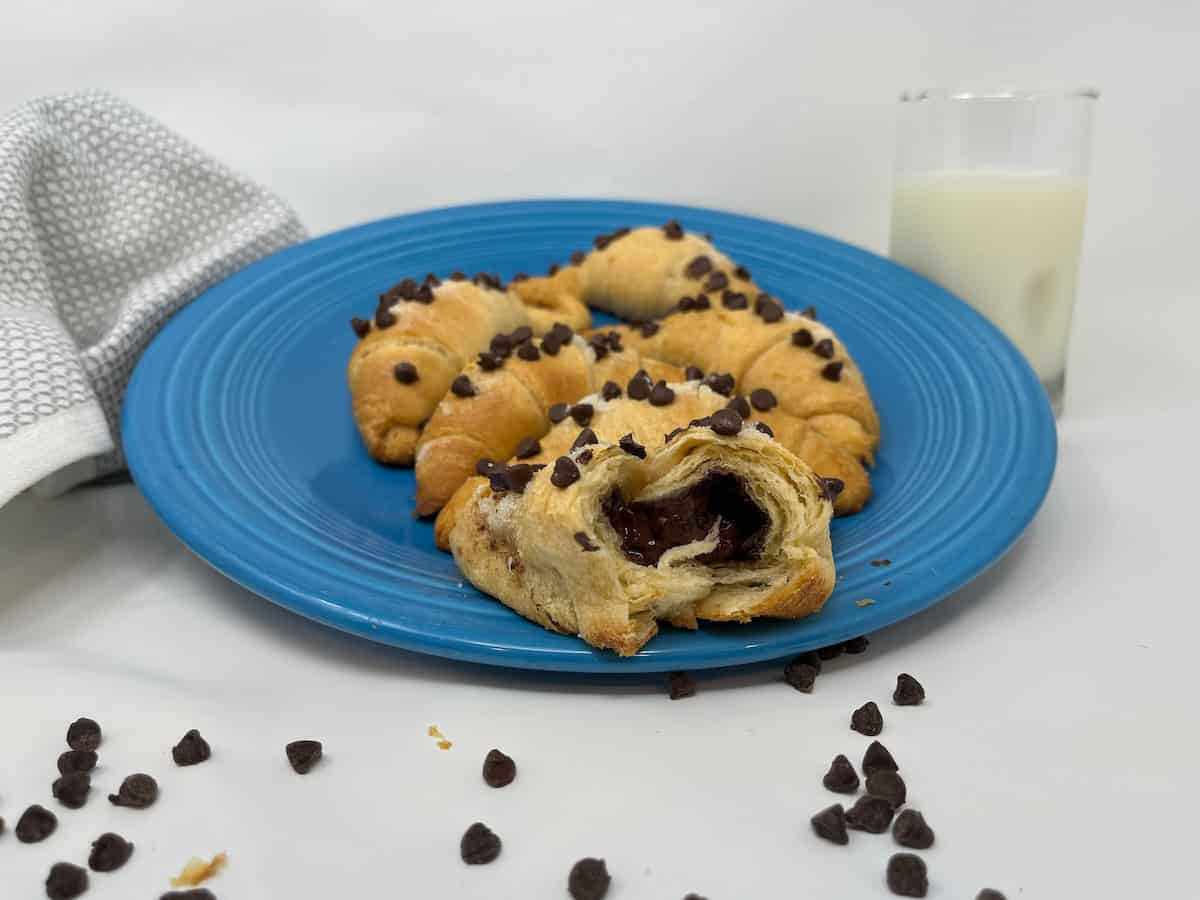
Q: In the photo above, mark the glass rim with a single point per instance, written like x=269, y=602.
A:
x=928, y=94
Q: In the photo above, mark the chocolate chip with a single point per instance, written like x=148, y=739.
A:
x=702, y=302
x=740, y=405
x=36, y=824
x=832, y=371
x=908, y=691
x=681, y=685
x=742, y=272
x=721, y=383
x=83, y=734
x=66, y=881
x=610, y=391
x=810, y=313
x=384, y=318
x=857, y=645
x=906, y=875
x=762, y=399
x=479, y=845
x=867, y=719
x=585, y=438
x=425, y=294
x=764, y=428
x=878, y=758
x=601, y=241
x=599, y=347
x=841, y=777
x=661, y=395
x=694, y=897
x=553, y=270
x=521, y=334
x=528, y=447
x=76, y=761
x=462, y=387
x=529, y=352
x=584, y=457
x=193, y=894
x=673, y=231
x=589, y=880
x=499, y=770
x=769, y=309
x=726, y=422
x=582, y=413
x=649, y=329
x=873, y=814
x=406, y=289
x=833, y=651
x=801, y=674
x=632, y=447
x=565, y=473
x=698, y=267
x=686, y=304
x=520, y=475
x=832, y=487
x=109, y=852
x=705, y=422
x=550, y=345
x=989, y=894
x=72, y=789
x=639, y=387
x=824, y=348
x=405, y=372
x=490, y=362
x=561, y=333
x=486, y=466
x=498, y=479
x=303, y=755
x=362, y=327
x=717, y=281
x=558, y=412
x=802, y=337
x=191, y=749
x=830, y=824
x=911, y=830
x=734, y=300
x=888, y=785
x=501, y=345
x=577, y=257
x=136, y=792
x=693, y=373
x=672, y=434
x=519, y=277
x=458, y=276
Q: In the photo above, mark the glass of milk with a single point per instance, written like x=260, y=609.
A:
x=989, y=202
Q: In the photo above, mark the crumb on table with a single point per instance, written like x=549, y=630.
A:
x=443, y=743
x=198, y=870
x=867, y=602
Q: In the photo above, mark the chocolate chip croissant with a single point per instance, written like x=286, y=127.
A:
x=719, y=523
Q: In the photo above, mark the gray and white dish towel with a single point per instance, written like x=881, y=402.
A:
x=109, y=223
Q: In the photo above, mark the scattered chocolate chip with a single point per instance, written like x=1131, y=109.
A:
x=878, y=758
x=136, y=792
x=906, y=875
x=830, y=824
x=824, y=348
x=694, y=897
x=911, y=830
x=36, y=824
x=873, y=814
x=501, y=345
x=801, y=674
x=649, y=329
x=384, y=318
x=610, y=391
x=529, y=352
x=528, y=447
x=303, y=755
x=499, y=770
x=479, y=845
x=762, y=399
x=908, y=691
x=76, y=761
x=832, y=487
x=857, y=645
x=661, y=395
x=83, y=734
x=520, y=475
x=740, y=405
x=673, y=231
x=639, y=387
x=989, y=894
x=520, y=335
x=458, y=276
x=589, y=880
x=742, y=272
x=565, y=473
x=734, y=300
x=717, y=281
x=881, y=562
x=582, y=413
x=721, y=383
x=558, y=412
x=681, y=684
x=71, y=790
x=632, y=447
x=66, y=881
x=109, y=852
x=867, y=719
x=832, y=371
x=585, y=438
x=462, y=387
x=726, y=422
x=833, y=651
x=490, y=362
x=888, y=785
x=764, y=428
x=698, y=267
x=405, y=372
x=841, y=777
x=191, y=749
x=362, y=327
x=193, y=894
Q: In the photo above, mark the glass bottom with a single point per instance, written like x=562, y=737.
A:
x=1055, y=389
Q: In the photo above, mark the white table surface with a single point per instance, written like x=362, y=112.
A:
x=1053, y=754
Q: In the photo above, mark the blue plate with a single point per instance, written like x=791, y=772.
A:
x=237, y=428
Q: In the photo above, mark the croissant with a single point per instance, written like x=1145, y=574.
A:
x=418, y=341
x=720, y=523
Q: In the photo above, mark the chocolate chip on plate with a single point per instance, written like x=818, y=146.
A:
x=801, y=674
x=565, y=473
x=582, y=413
x=498, y=769
x=661, y=395
x=911, y=830
x=906, y=875
x=191, y=749
x=462, y=387
x=83, y=734
x=681, y=684
x=878, y=757
x=841, y=777
x=888, y=785
x=193, y=894
x=76, y=761
x=873, y=814
x=833, y=651
x=303, y=755
x=72, y=789
x=726, y=422
x=585, y=542
x=673, y=231
x=824, y=348
x=529, y=446
x=857, y=645
x=989, y=894
x=66, y=881
x=632, y=447
x=109, y=852
x=610, y=391
x=589, y=879
x=830, y=824
x=36, y=824
x=136, y=792
x=741, y=405
x=908, y=691
x=867, y=719
x=479, y=845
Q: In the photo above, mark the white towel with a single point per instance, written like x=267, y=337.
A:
x=109, y=223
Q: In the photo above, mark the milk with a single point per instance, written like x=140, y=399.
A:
x=1006, y=242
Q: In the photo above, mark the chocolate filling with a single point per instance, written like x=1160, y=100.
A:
x=649, y=528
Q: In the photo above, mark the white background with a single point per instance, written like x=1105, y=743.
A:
x=1054, y=755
